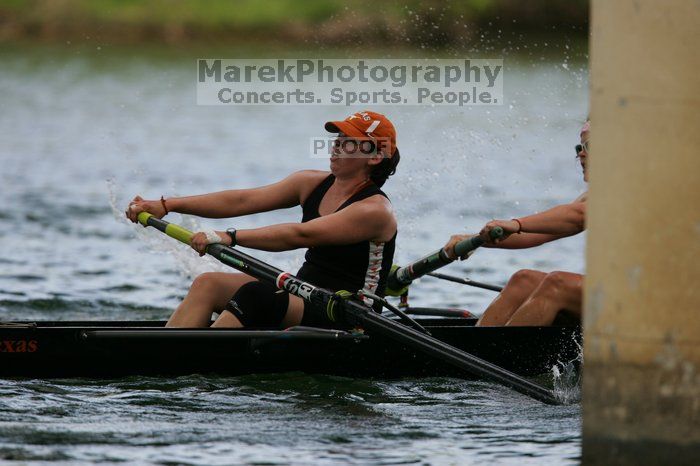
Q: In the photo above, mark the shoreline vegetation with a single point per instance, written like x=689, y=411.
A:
x=411, y=23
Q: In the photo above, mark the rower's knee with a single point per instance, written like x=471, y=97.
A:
x=204, y=283
x=556, y=282
x=555, y=279
x=525, y=278
x=209, y=290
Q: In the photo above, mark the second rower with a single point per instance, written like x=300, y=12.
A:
x=533, y=297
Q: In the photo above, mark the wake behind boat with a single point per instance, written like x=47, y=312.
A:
x=107, y=349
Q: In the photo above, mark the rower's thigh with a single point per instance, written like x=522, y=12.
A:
x=219, y=287
x=295, y=312
x=524, y=282
x=567, y=288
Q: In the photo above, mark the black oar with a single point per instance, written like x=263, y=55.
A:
x=356, y=313
x=401, y=277
x=465, y=281
x=398, y=312
x=439, y=312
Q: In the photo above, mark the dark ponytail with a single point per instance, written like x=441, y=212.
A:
x=387, y=167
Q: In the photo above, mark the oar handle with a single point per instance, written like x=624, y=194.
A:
x=468, y=245
x=401, y=277
x=181, y=234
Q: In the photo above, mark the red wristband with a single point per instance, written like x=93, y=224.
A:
x=165, y=207
x=520, y=225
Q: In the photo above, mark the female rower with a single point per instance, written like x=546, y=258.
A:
x=348, y=226
x=532, y=297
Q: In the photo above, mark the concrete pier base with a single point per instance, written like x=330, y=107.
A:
x=641, y=389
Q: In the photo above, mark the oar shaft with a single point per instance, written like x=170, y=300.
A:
x=466, y=281
x=229, y=256
x=439, y=312
x=404, y=276
x=356, y=313
x=457, y=357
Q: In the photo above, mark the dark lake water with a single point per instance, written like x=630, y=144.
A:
x=83, y=130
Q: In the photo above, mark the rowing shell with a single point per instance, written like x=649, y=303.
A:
x=106, y=349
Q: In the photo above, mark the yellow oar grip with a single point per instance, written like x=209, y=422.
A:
x=174, y=231
x=181, y=234
x=143, y=218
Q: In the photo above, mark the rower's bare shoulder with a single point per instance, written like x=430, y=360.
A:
x=377, y=208
x=381, y=202
x=306, y=181
x=310, y=176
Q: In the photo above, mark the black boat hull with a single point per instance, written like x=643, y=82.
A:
x=114, y=349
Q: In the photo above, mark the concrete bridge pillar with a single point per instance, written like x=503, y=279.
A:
x=641, y=388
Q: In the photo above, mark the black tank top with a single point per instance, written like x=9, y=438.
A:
x=352, y=267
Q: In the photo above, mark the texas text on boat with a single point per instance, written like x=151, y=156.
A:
x=268, y=322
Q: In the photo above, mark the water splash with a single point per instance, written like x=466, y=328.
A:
x=190, y=264
x=567, y=377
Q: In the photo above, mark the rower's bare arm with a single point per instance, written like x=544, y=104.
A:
x=235, y=202
x=560, y=221
x=524, y=241
x=361, y=221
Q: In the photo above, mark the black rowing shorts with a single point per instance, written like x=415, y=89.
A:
x=261, y=305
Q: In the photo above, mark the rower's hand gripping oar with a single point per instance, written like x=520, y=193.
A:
x=401, y=277
x=356, y=313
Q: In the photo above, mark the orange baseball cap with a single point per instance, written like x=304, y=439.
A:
x=366, y=124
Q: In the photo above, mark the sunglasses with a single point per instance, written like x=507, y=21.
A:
x=585, y=146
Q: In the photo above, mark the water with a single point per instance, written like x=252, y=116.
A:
x=290, y=418
x=83, y=130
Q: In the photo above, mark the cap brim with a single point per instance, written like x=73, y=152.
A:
x=343, y=127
